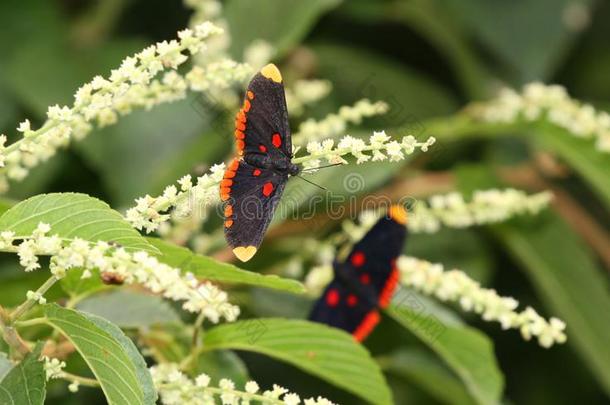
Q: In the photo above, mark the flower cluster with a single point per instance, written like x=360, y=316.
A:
x=142, y=81
x=335, y=124
x=380, y=148
x=53, y=367
x=551, y=102
x=175, y=388
x=132, y=267
x=306, y=92
x=148, y=213
x=456, y=286
x=485, y=207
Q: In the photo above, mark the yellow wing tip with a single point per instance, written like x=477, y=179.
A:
x=271, y=71
x=398, y=213
x=244, y=253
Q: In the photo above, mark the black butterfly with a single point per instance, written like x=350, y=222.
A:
x=254, y=181
x=366, y=281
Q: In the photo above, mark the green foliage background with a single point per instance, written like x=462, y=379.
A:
x=427, y=59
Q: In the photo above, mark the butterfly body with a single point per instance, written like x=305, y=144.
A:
x=365, y=282
x=254, y=181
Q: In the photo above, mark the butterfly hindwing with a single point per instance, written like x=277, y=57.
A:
x=261, y=125
x=367, y=279
x=250, y=196
x=340, y=307
x=373, y=258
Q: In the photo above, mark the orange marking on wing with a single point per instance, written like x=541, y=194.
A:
x=228, y=223
x=229, y=174
x=366, y=326
x=240, y=125
x=250, y=95
x=262, y=148
x=228, y=210
x=239, y=134
x=276, y=140
x=234, y=165
x=332, y=297
x=226, y=183
x=247, y=105
x=240, y=145
x=256, y=172
x=388, y=290
x=267, y=189
x=241, y=116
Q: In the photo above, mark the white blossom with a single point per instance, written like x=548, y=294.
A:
x=144, y=80
x=336, y=124
x=456, y=286
x=132, y=267
x=175, y=388
x=304, y=93
x=538, y=101
x=53, y=367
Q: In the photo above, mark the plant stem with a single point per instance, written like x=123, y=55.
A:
x=89, y=382
x=28, y=304
x=10, y=335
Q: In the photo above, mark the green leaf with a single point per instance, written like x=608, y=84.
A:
x=210, y=269
x=221, y=364
x=5, y=365
x=581, y=154
x=25, y=384
x=111, y=356
x=423, y=370
x=358, y=73
x=467, y=351
x=282, y=23
x=129, y=309
x=563, y=271
x=326, y=352
x=73, y=215
x=545, y=28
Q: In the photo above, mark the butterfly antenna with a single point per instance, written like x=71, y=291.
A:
x=322, y=167
x=311, y=182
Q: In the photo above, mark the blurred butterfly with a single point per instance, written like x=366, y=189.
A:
x=254, y=181
x=366, y=281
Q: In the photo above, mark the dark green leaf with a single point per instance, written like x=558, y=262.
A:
x=328, y=353
x=209, y=269
x=111, y=355
x=468, y=352
x=25, y=384
x=73, y=215
x=569, y=281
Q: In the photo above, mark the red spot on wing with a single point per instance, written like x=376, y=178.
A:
x=365, y=279
x=332, y=297
x=262, y=148
x=388, y=289
x=358, y=259
x=276, y=140
x=267, y=189
x=256, y=172
x=366, y=326
x=352, y=300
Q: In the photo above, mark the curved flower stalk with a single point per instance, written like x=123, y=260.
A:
x=304, y=93
x=142, y=81
x=175, y=388
x=133, y=268
x=456, y=286
x=335, y=124
x=551, y=102
x=485, y=207
x=150, y=212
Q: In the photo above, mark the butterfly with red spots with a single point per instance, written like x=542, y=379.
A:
x=254, y=181
x=366, y=281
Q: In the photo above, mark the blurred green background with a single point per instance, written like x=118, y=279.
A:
x=426, y=59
